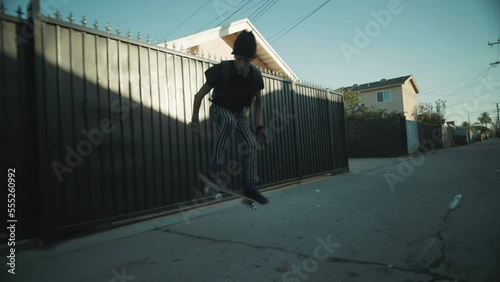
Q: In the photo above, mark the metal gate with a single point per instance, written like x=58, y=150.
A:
x=98, y=126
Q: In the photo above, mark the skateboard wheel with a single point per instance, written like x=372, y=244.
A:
x=218, y=196
x=254, y=208
x=206, y=190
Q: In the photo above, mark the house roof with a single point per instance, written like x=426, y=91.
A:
x=228, y=32
x=384, y=83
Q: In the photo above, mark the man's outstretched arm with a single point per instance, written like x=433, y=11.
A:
x=204, y=90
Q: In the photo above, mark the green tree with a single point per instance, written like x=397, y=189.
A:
x=468, y=126
x=484, y=119
x=432, y=113
x=352, y=102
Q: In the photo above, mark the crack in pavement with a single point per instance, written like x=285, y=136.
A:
x=168, y=230
x=439, y=236
x=442, y=258
x=434, y=276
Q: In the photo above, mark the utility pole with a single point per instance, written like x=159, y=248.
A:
x=498, y=116
x=491, y=44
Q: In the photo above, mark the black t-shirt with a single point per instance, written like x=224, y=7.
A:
x=239, y=89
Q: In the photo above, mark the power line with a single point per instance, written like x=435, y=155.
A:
x=259, y=9
x=269, y=6
x=234, y=12
x=216, y=19
x=471, y=83
x=269, y=38
x=192, y=15
x=491, y=44
x=468, y=100
x=435, y=89
x=250, y=8
x=301, y=21
x=472, y=113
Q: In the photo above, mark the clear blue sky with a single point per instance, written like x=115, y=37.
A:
x=442, y=43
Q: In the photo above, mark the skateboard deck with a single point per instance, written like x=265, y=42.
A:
x=210, y=185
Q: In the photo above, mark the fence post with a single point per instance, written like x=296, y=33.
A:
x=330, y=130
x=298, y=143
x=45, y=224
x=404, y=136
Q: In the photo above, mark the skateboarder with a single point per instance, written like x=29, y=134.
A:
x=237, y=85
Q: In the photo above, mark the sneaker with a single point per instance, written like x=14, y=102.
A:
x=256, y=196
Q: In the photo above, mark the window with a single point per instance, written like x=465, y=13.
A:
x=384, y=96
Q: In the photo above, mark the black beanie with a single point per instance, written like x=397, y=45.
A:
x=245, y=45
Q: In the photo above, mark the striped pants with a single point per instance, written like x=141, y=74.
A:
x=229, y=122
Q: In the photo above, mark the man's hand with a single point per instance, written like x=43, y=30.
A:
x=262, y=136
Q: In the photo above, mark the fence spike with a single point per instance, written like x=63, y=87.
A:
x=148, y=40
x=157, y=40
x=108, y=28
x=2, y=8
x=84, y=21
x=129, y=34
x=71, y=18
x=118, y=30
x=57, y=14
x=139, y=36
x=19, y=11
x=96, y=25
x=173, y=45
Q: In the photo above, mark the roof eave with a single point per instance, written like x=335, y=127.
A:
x=414, y=85
x=379, y=87
x=224, y=30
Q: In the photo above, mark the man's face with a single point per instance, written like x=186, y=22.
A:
x=242, y=64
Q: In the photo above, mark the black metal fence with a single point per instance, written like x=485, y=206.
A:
x=388, y=137
x=18, y=125
x=376, y=138
x=97, y=127
x=430, y=136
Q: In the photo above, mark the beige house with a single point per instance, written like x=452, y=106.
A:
x=395, y=94
x=217, y=43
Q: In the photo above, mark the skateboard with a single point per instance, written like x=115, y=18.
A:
x=211, y=186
